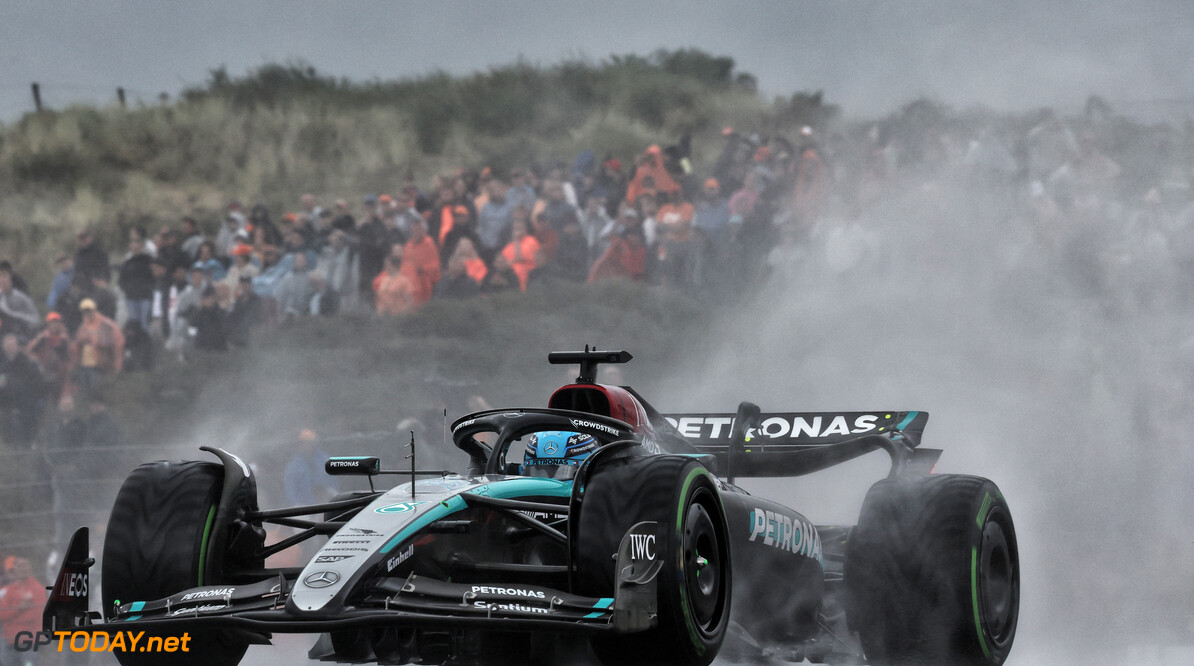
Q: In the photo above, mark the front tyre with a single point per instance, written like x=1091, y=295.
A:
x=933, y=572
x=156, y=546
x=694, y=584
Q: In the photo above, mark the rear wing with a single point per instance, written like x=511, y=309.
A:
x=796, y=443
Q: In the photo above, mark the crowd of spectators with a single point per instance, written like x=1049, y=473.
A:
x=715, y=231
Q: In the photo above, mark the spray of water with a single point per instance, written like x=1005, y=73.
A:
x=1069, y=395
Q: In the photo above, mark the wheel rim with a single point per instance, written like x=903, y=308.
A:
x=702, y=566
x=998, y=581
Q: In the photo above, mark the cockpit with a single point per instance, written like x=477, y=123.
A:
x=535, y=442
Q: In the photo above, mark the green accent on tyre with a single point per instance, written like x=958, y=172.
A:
x=984, y=510
x=688, y=621
x=683, y=493
x=978, y=623
x=211, y=515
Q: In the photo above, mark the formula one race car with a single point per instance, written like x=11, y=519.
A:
x=595, y=527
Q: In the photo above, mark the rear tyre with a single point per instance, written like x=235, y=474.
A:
x=156, y=546
x=694, y=584
x=933, y=572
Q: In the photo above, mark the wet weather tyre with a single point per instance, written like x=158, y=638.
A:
x=933, y=573
x=694, y=585
x=156, y=546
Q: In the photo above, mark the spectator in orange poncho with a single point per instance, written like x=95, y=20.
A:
x=474, y=265
x=420, y=262
x=650, y=165
x=394, y=292
x=98, y=348
x=625, y=257
x=675, y=246
x=450, y=217
x=520, y=252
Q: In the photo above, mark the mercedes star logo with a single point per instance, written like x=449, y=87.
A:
x=321, y=579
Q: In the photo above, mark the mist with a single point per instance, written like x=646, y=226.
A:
x=1070, y=398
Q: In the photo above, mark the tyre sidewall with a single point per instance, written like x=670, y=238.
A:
x=675, y=606
x=156, y=546
x=154, y=541
x=659, y=489
x=914, y=571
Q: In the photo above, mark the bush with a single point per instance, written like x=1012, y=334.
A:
x=59, y=166
x=697, y=65
x=285, y=129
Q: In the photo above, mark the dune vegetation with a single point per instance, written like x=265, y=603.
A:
x=286, y=129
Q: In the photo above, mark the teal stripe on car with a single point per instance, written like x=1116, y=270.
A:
x=441, y=509
x=527, y=487
x=907, y=419
x=133, y=608
x=604, y=602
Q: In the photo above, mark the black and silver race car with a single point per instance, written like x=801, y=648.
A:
x=596, y=524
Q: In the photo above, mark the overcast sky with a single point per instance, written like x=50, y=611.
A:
x=867, y=56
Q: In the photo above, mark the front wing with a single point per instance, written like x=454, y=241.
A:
x=415, y=601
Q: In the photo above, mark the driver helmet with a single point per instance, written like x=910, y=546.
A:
x=556, y=453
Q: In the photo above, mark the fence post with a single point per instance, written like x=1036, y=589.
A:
x=120, y=96
x=37, y=96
